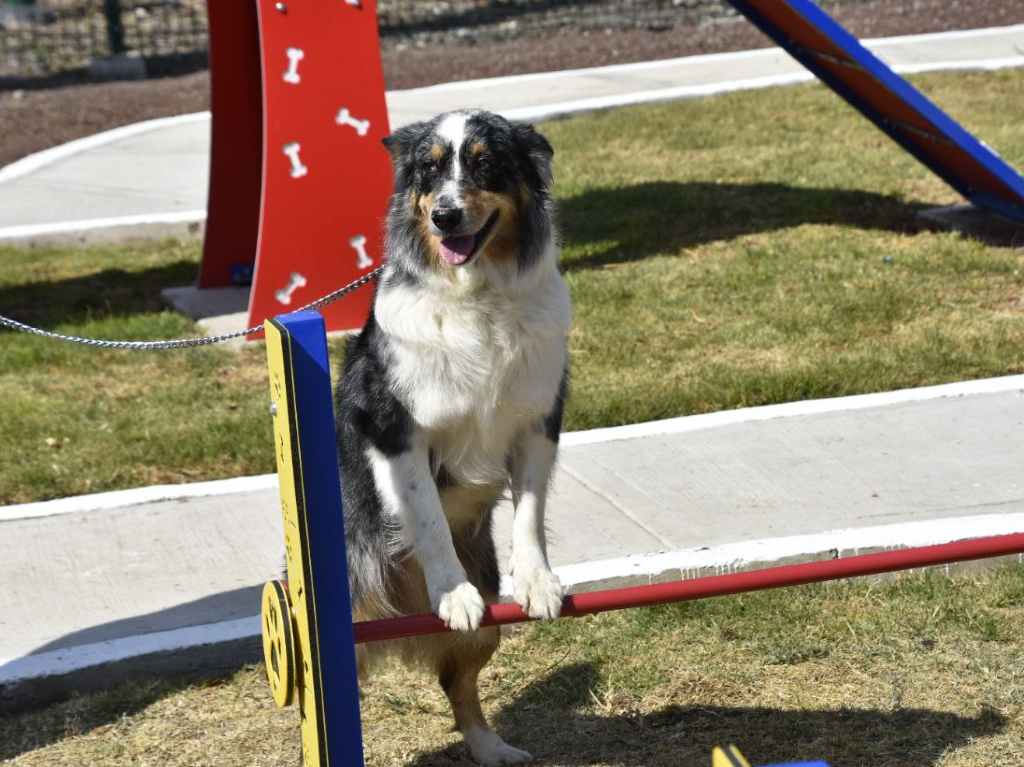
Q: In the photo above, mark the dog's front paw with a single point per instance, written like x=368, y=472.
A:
x=539, y=592
x=461, y=608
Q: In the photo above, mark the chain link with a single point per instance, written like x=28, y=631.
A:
x=184, y=343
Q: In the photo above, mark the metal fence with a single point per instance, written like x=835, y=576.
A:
x=41, y=37
x=44, y=37
x=517, y=17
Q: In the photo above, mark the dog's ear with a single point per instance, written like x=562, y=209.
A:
x=402, y=145
x=404, y=139
x=537, y=150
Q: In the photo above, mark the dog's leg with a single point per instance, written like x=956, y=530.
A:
x=457, y=672
x=537, y=590
x=408, y=490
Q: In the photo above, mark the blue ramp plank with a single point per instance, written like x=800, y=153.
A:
x=814, y=39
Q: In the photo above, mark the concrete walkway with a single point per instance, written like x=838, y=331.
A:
x=139, y=576
x=154, y=174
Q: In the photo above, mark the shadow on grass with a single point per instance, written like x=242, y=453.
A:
x=630, y=223
x=552, y=719
x=124, y=687
x=28, y=729
x=111, y=292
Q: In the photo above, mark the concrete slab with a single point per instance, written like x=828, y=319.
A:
x=135, y=570
x=115, y=577
x=808, y=474
x=158, y=171
x=211, y=302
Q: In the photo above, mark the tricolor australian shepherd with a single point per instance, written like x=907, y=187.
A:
x=452, y=396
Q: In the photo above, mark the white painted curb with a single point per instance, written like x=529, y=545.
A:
x=66, y=661
x=693, y=423
x=733, y=556
x=548, y=111
x=117, y=499
x=92, y=224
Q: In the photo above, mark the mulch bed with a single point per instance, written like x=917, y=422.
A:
x=31, y=120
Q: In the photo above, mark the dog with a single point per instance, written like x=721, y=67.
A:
x=452, y=395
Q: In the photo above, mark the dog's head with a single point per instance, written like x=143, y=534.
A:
x=470, y=187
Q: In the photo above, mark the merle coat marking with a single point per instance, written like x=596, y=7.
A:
x=452, y=395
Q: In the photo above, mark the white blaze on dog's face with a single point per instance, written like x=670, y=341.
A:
x=471, y=186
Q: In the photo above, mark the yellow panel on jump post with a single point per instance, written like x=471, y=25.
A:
x=307, y=622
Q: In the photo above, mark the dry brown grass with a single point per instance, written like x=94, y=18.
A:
x=925, y=671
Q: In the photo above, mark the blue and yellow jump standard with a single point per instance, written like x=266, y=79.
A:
x=308, y=643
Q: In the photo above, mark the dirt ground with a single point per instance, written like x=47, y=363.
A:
x=31, y=120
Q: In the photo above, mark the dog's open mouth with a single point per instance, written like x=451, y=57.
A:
x=459, y=250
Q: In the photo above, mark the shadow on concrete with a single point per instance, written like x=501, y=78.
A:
x=553, y=720
x=197, y=661
x=631, y=223
x=226, y=606
x=107, y=293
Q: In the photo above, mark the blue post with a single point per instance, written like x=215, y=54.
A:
x=308, y=639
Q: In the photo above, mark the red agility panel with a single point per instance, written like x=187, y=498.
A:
x=326, y=175
x=233, y=202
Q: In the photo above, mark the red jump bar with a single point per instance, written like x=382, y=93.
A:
x=577, y=605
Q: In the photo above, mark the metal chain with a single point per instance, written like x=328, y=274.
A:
x=184, y=343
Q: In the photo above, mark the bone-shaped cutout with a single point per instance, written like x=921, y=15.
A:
x=358, y=243
x=291, y=75
x=345, y=118
x=355, y=3
x=284, y=295
x=298, y=169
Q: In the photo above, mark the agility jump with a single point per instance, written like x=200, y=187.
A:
x=308, y=635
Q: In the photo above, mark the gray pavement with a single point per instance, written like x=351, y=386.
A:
x=162, y=172
x=89, y=581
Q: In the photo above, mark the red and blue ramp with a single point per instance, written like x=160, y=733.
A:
x=814, y=39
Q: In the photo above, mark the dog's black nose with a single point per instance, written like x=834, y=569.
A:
x=446, y=219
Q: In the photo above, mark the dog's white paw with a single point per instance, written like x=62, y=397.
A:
x=491, y=751
x=461, y=608
x=538, y=591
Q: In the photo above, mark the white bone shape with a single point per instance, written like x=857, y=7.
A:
x=298, y=169
x=355, y=3
x=284, y=295
x=345, y=118
x=291, y=75
x=358, y=243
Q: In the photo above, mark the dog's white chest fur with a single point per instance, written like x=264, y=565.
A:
x=475, y=365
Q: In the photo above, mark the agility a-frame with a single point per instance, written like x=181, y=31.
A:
x=814, y=39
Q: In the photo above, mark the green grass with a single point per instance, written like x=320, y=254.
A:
x=748, y=249
x=918, y=671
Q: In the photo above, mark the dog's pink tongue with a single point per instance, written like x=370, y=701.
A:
x=456, y=250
